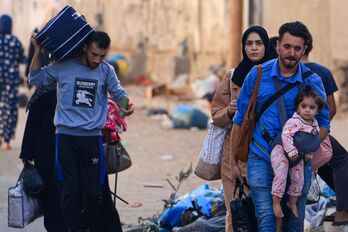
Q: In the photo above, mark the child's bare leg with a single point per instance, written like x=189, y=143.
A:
x=292, y=204
x=279, y=224
x=296, y=185
x=277, y=208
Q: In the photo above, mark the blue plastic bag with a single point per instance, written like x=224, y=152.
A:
x=202, y=196
x=185, y=116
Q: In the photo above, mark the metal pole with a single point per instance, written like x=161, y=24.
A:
x=255, y=12
x=236, y=31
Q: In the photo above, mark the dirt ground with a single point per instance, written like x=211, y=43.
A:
x=157, y=154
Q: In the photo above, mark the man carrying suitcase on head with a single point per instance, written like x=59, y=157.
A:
x=82, y=86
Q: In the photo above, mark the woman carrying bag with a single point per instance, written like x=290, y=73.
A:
x=256, y=50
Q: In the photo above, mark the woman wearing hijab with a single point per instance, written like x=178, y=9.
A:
x=11, y=55
x=256, y=50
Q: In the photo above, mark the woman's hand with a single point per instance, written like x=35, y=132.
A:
x=232, y=108
x=235, y=171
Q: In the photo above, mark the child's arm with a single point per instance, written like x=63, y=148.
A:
x=290, y=128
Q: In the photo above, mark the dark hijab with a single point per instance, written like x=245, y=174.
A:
x=5, y=24
x=246, y=64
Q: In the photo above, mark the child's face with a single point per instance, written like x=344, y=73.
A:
x=307, y=108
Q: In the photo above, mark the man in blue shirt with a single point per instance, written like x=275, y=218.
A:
x=293, y=38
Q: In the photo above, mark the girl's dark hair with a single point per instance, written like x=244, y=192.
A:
x=308, y=91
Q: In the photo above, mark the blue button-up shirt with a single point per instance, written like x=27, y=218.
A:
x=270, y=119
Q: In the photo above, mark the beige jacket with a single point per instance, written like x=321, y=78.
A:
x=222, y=99
x=219, y=112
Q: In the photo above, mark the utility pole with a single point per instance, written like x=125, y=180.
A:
x=236, y=31
x=255, y=12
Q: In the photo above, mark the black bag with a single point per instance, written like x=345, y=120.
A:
x=242, y=210
x=32, y=181
x=22, y=208
x=116, y=157
x=63, y=36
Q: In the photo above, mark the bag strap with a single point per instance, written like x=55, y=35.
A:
x=239, y=186
x=232, y=71
x=115, y=187
x=282, y=109
x=123, y=200
x=281, y=92
x=20, y=177
x=281, y=104
x=257, y=85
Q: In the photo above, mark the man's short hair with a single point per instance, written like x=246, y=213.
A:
x=297, y=29
x=100, y=38
x=309, y=45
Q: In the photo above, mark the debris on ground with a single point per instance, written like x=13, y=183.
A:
x=185, y=116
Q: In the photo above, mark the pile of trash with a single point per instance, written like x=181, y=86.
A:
x=181, y=117
x=318, y=212
x=204, y=210
x=201, y=210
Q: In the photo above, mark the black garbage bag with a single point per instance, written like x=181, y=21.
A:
x=215, y=224
x=32, y=181
x=242, y=210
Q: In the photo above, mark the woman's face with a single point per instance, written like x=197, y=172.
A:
x=254, y=47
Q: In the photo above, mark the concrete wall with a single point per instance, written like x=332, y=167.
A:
x=26, y=15
x=160, y=25
x=315, y=14
x=327, y=22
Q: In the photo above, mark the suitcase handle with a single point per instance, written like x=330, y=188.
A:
x=46, y=42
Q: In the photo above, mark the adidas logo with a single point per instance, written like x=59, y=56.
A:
x=95, y=160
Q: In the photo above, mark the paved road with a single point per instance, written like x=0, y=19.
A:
x=10, y=167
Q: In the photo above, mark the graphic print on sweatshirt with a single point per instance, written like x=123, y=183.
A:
x=85, y=92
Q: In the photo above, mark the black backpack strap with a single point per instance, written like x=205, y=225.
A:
x=279, y=93
x=270, y=100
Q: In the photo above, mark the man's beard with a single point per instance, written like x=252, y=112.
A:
x=91, y=66
x=289, y=65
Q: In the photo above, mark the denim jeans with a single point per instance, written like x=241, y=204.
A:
x=260, y=177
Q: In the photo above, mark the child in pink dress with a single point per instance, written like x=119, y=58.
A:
x=299, y=138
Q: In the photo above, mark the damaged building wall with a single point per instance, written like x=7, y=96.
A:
x=149, y=32
x=327, y=22
x=158, y=28
x=339, y=45
x=313, y=15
